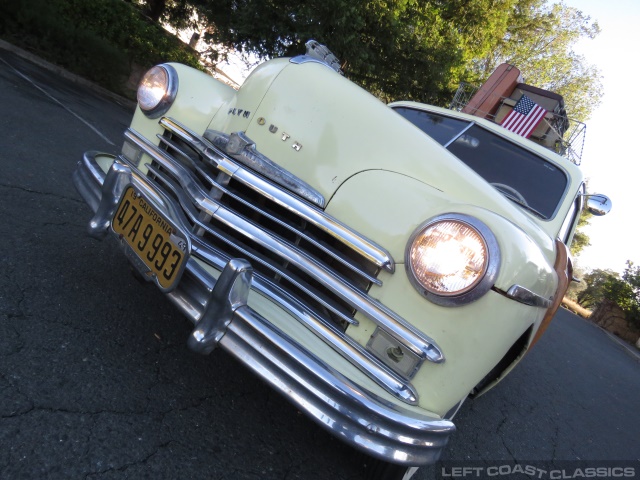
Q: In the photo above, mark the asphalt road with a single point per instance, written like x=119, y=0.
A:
x=96, y=380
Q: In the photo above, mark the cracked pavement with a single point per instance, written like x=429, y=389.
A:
x=96, y=380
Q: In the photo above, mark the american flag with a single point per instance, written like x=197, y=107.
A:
x=525, y=117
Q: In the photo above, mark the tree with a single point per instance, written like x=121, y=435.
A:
x=405, y=49
x=629, y=295
x=576, y=287
x=412, y=49
x=607, y=285
x=539, y=40
x=580, y=239
x=596, y=281
x=155, y=9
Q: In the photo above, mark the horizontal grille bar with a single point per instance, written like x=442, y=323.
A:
x=213, y=183
x=194, y=290
x=330, y=225
x=337, y=339
x=289, y=252
x=192, y=215
x=231, y=217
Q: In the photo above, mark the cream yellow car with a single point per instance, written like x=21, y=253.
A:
x=375, y=264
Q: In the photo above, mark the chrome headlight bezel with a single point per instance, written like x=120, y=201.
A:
x=481, y=285
x=169, y=91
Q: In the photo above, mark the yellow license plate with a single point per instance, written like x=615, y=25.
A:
x=156, y=241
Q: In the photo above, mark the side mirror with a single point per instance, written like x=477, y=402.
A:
x=598, y=204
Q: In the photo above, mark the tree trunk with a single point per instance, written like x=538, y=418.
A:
x=155, y=9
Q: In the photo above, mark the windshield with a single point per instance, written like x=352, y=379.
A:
x=520, y=175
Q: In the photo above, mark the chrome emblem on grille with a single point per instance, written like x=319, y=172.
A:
x=241, y=148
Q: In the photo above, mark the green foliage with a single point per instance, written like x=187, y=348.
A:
x=629, y=297
x=155, y=9
x=539, y=40
x=98, y=39
x=576, y=287
x=413, y=49
x=405, y=49
x=39, y=26
x=596, y=283
x=580, y=239
x=409, y=49
x=580, y=242
x=144, y=42
x=623, y=291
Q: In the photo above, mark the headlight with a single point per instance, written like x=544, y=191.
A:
x=453, y=259
x=157, y=90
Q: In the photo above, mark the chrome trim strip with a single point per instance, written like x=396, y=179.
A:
x=526, y=296
x=337, y=340
x=193, y=217
x=399, y=328
x=335, y=255
x=191, y=294
x=457, y=136
x=285, y=249
x=243, y=149
x=333, y=227
x=341, y=406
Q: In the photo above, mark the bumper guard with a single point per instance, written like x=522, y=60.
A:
x=219, y=310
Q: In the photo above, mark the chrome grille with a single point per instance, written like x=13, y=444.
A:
x=323, y=289
x=185, y=159
x=198, y=175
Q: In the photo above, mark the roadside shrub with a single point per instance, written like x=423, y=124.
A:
x=122, y=24
x=42, y=29
x=628, y=295
x=606, y=285
x=99, y=39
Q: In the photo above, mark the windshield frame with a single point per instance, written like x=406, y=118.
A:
x=468, y=123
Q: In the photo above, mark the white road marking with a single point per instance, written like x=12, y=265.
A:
x=60, y=103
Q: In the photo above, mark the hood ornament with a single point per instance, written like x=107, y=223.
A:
x=318, y=53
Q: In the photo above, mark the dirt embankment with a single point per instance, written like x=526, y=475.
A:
x=611, y=317
x=608, y=316
x=575, y=308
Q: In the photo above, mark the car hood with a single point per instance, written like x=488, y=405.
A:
x=324, y=129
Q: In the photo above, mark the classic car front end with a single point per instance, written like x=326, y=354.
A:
x=348, y=259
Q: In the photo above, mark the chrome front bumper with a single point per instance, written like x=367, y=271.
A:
x=218, y=308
